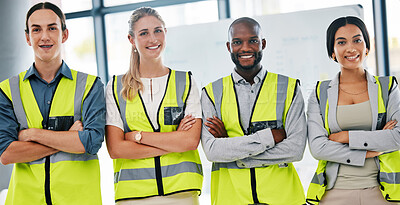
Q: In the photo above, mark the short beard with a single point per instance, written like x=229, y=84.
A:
x=235, y=58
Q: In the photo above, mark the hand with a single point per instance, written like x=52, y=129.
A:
x=216, y=127
x=390, y=125
x=77, y=126
x=279, y=135
x=186, y=123
x=371, y=154
x=342, y=137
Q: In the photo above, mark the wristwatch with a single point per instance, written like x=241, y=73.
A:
x=138, y=137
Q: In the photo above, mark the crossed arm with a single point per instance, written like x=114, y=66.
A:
x=337, y=147
x=153, y=144
x=32, y=144
x=35, y=143
x=265, y=147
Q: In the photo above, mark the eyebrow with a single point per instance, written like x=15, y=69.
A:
x=342, y=38
x=158, y=27
x=36, y=25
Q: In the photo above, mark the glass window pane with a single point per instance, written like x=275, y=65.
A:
x=79, y=52
x=118, y=46
x=241, y=8
x=120, y=2
x=69, y=6
x=393, y=15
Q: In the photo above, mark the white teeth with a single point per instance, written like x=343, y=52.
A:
x=45, y=46
x=153, y=47
x=246, y=56
x=351, y=57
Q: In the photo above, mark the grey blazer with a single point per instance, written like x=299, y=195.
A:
x=359, y=141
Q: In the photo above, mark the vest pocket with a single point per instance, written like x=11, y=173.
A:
x=256, y=126
x=60, y=123
x=173, y=115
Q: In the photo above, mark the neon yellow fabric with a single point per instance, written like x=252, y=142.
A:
x=177, y=163
x=71, y=181
x=389, y=162
x=231, y=185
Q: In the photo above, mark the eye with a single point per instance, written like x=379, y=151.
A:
x=357, y=41
x=254, y=41
x=143, y=33
x=236, y=43
x=35, y=30
x=52, y=28
x=158, y=31
x=341, y=42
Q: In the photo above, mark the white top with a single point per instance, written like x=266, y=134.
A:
x=154, y=89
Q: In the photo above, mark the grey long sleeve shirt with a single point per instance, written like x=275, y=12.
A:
x=258, y=149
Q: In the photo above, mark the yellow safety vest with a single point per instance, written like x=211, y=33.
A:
x=163, y=175
x=274, y=184
x=61, y=178
x=389, y=163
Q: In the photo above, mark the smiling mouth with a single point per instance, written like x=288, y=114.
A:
x=352, y=57
x=46, y=46
x=153, y=47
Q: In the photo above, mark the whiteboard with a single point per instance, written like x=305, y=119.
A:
x=295, y=46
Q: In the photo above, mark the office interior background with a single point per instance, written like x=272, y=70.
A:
x=98, y=45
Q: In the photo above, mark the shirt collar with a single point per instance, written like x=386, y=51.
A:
x=238, y=79
x=64, y=70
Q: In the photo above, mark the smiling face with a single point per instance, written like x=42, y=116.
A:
x=45, y=35
x=349, y=47
x=149, y=37
x=245, y=45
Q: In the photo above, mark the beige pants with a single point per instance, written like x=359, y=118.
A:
x=185, y=198
x=367, y=196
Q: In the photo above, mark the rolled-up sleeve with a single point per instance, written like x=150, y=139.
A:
x=93, y=119
x=8, y=125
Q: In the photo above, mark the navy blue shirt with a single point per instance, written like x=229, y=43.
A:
x=93, y=110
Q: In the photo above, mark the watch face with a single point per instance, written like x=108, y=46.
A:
x=138, y=137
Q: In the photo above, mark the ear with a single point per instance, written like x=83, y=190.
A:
x=28, y=40
x=65, y=35
x=165, y=30
x=333, y=56
x=131, y=39
x=228, y=46
x=264, y=43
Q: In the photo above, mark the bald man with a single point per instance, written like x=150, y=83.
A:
x=254, y=127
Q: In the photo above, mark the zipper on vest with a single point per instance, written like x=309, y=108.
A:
x=47, y=181
x=254, y=185
x=160, y=188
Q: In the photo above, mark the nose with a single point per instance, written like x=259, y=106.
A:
x=245, y=46
x=153, y=38
x=45, y=35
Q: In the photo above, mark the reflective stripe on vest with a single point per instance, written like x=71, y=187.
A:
x=389, y=162
x=75, y=178
x=167, y=174
x=231, y=184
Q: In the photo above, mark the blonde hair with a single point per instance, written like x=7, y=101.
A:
x=131, y=82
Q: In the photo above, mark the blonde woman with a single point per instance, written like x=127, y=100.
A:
x=153, y=122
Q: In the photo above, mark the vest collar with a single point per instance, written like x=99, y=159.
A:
x=64, y=70
x=238, y=79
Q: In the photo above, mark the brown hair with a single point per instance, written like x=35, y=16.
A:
x=46, y=5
